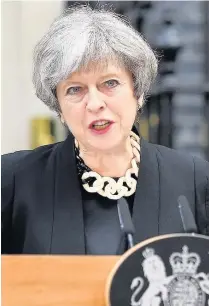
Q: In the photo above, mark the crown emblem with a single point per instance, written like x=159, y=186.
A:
x=151, y=262
x=184, y=262
x=148, y=252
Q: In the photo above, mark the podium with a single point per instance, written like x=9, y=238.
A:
x=164, y=270
x=55, y=280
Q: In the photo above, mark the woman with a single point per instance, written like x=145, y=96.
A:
x=94, y=70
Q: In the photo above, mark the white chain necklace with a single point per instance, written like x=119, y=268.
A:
x=109, y=187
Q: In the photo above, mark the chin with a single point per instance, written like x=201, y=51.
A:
x=107, y=141
x=105, y=144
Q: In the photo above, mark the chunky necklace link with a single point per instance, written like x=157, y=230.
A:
x=107, y=186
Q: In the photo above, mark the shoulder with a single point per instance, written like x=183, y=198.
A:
x=25, y=160
x=181, y=167
x=20, y=159
x=172, y=155
x=182, y=160
x=190, y=173
x=187, y=163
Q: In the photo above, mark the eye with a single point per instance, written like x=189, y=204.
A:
x=112, y=83
x=73, y=90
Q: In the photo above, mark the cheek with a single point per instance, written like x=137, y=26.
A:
x=125, y=107
x=73, y=114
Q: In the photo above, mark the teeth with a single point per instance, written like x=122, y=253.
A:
x=100, y=123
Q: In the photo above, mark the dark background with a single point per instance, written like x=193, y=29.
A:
x=177, y=111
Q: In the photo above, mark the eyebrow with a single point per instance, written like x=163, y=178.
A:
x=104, y=76
x=109, y=75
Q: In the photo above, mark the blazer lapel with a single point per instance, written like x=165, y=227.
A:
x=146, y=203
x=68, y=236
x=68, y=228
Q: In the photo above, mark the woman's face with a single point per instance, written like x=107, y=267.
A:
x=98, y=106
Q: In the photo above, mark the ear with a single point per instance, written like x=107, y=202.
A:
x=62, y=118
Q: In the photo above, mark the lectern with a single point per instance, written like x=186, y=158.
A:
x=55, y=280
x=166, y=270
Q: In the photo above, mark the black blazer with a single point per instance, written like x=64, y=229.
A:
x=42, y=205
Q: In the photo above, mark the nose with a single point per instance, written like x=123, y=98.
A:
x=95, y=103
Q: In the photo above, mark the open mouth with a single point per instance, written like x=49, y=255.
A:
x=100, y=125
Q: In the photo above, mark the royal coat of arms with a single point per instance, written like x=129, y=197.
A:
x=184, y=287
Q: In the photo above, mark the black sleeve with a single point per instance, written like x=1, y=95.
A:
x=201, y=169
x=7, y=195
x=9, y=164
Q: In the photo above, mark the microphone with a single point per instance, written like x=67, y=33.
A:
x=125, y=219
x=187, y=216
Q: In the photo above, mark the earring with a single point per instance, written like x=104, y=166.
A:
x=138, y=107
x=140, y=102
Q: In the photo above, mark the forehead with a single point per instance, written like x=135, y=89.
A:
x=99, y=70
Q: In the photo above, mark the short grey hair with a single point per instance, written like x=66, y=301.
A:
x=82, y=35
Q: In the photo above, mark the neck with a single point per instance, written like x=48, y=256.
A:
x=112, y=164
